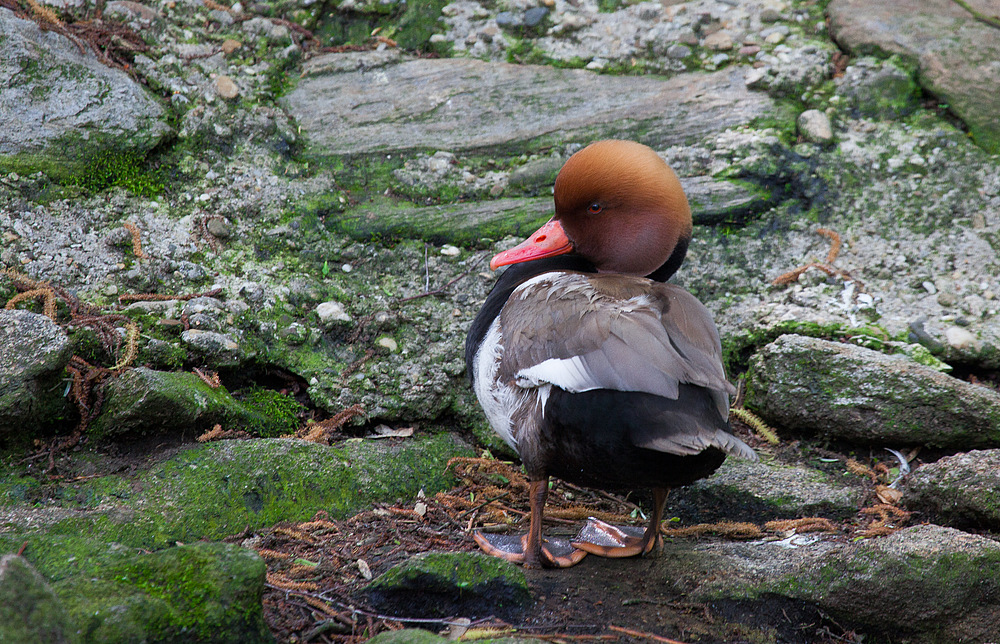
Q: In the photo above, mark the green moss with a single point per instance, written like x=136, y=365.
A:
x=782, y=119
x=216, y=490
x=278, y=413
x=196, y=593
x=737, y=349
x=410, y=24
x=126, y=169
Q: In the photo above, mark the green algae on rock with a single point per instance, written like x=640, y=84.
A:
x=29, y=609
x=148, y=402
x=849, y=392
x=207, y=592
x=216, y=490
x=437, y=584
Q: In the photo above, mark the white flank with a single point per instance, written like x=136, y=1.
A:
x=498, y=400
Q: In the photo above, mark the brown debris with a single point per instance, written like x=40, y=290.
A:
x=136, y=240
x=322, y=431
x=793, y=275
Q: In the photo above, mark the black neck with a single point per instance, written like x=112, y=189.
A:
x=514, y=276
x=665, y=272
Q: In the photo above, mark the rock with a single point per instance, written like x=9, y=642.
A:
x=34, y=350
x=137, y=14
x=537, y=173
x=959, y=489
x=924, y=584
x=959, y=338
x=219, y=227
x=209, y=592
x=165, y=402
x=332, y=312
x=214, y=348
x=881, y=90
x=954, y=52
x=856, y=394
x=29, y=609
x=713, y=201
x=719, y=41
x=218, y=489
x=226, y=87
x=454, y=223
x=443, y=584
x=678, y=52
x=70, y=110
x=230, y=45
x=775, y=491
x=815, y=126
x=413, y=636
x=533, y=17
x=465, y=104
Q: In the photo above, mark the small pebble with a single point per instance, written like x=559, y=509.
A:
x=719, y=41
x=226, y=87
x=450, y=251
x=815, y=126
x=388, y=343
x=230, y=45
x=959, y=338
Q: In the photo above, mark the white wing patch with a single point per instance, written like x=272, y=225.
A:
x=497, y=399
x=570, y=374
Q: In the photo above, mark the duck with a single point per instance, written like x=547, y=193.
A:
x=593, y=368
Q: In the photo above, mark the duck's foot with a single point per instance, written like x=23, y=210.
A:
x=553, y=553
x=606, y=540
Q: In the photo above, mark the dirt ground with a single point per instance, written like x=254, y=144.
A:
x=318, y=570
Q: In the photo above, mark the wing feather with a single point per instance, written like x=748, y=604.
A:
x=581, y=332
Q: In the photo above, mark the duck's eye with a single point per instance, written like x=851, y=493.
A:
x=595, y=208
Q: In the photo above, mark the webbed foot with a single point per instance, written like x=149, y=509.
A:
x=552, y=553
x=606, y=540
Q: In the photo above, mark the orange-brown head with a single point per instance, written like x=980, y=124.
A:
x=618, y=205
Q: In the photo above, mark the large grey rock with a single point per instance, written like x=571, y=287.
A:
x=29, y=609
x=712, y=201
x=963, y=489
x=849, y=392
x=464, y=104
x=955, y=53
x=62, y=108
x=34, y=351
x=773, y=489
x=921, y=584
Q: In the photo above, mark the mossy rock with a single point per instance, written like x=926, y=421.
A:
x=203, y=592
x=438, y=584
x=847, y=392
x=148, y=402
x=29, y=610
x=215, y=490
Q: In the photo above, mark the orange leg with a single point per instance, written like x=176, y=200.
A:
x=605, y=540
x=531, y=550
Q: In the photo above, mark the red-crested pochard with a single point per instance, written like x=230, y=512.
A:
x=592, y=368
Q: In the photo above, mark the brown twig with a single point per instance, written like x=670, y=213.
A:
x=648, y=636
x=136, y=239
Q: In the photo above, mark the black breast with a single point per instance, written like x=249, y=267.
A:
x=587, y=437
